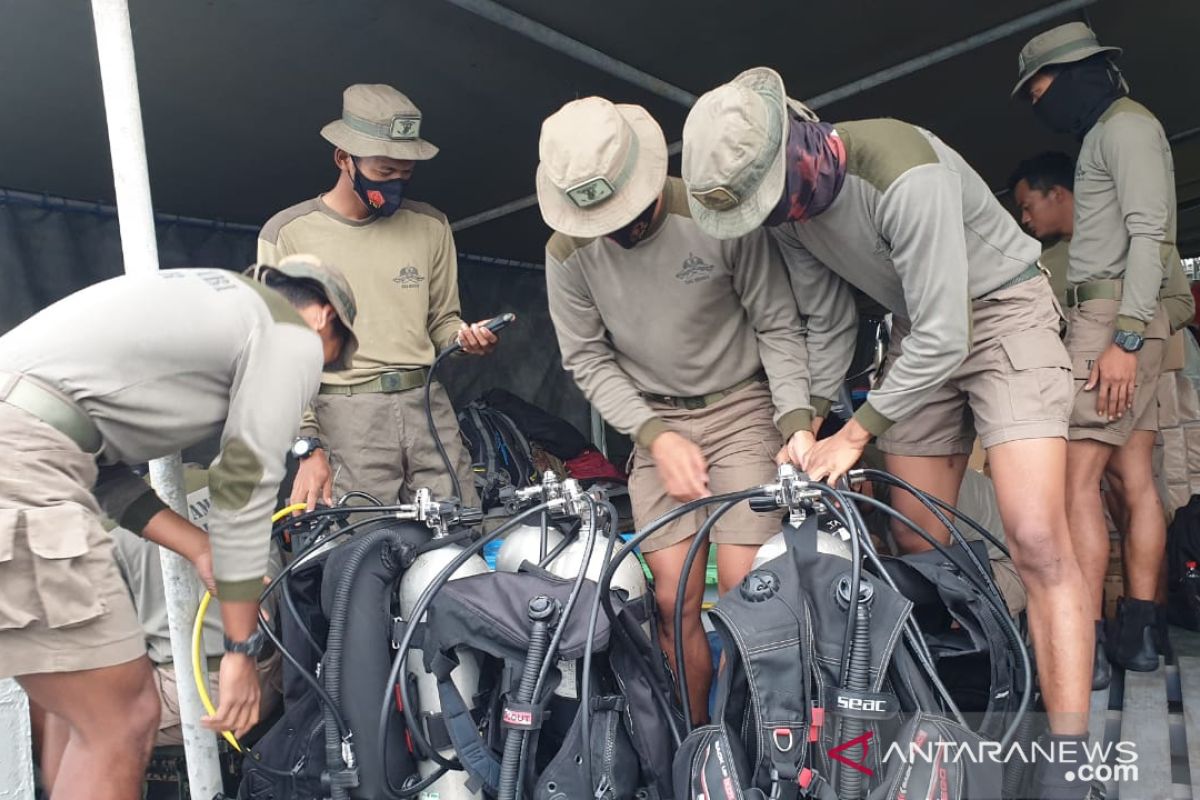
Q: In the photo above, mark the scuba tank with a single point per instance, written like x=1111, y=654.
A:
x=830, y=543
x=525, y=544
x=452, y=786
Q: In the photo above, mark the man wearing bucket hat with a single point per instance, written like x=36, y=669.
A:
x=1122, y=249
x=122, y=372
x=889, y=208
x=400, y=258
x=688, y=344
x=1043, y=189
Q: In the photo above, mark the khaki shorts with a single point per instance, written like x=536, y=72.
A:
x=379, y=443
x=1014, y=384
x=1090, y=328
x=740, y=441
x=63, y=605
x=170, y=726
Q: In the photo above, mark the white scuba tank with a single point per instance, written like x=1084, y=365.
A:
x=452, y=785
x=524, y=543
x=774, y=547
x=628, y=577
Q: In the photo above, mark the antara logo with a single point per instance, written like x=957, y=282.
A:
x=863, y=741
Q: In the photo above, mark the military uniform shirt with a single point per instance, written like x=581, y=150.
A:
x=680, y=314
x=917, y=230
x=165, y=360
x=1125, y=209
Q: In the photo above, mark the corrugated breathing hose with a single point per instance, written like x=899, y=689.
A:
x=858, y=679
x=541, y=615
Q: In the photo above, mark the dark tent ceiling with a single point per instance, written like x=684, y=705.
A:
x=235, y=91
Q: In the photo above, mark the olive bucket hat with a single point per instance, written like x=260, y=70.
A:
x=377, y=120
x=1065, y=44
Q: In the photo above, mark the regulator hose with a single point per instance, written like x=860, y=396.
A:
x=494, y=325
x=698, y=542
x=541, y=615
x=858, y=679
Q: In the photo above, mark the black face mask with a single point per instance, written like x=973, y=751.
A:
x=1078, y=96
x=635, y=231
x=382, y=198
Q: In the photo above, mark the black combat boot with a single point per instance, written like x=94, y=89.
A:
x=1132, y=641
x=1101, y=668
x=1163, y=637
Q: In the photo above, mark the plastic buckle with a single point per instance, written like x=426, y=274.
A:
x=818, y=721
x=779, y=733
x=805, y=778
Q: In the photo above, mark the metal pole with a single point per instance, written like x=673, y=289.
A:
x=16, y=758
x=139, y=246
x=542, y=34
x=551, y=38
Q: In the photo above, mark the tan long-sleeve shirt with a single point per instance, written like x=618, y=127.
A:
x=162, y=361
x=680, y=314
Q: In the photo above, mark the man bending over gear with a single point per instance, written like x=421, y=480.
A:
x=367, y=429
x=1043, y=188
x=689, y=344
x=891, y=209
x=125, y=371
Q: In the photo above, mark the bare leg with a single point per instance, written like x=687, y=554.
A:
x=733, y=562
x=1145, y=531
x=667, y=566
x=112, y=714
x=940, y=476
x=1030, y=483
x=1086, y=462
x=55, y=736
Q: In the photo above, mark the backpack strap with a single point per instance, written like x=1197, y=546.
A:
x=477, y=759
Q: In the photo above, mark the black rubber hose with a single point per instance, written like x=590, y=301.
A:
x=421, y=743
x=926, y=500
x=850, y=782
x=549, y=658
x=370, y=498
x=585, y=686
x=544, y=530
x=541, y=610
x=606, y=583
x=332, y=675
x=554, y=553
x=677, y=621
x=912, y=633
x=961, y=517
x=456, y=487
x=997, y=606
x=290, y=604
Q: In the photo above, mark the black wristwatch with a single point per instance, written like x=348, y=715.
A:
x=1129, y=341
x=251, y=647
x=305, y=446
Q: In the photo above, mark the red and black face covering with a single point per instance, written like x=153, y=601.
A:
x=636, y=230
x=815, y=161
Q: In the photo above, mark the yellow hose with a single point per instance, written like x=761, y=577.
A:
x=198, y=639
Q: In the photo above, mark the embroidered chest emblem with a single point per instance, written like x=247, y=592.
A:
x=409, y=278
x=694, y=270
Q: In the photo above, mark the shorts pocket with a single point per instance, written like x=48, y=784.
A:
x=15, y=602
x=1039, y=385
x=58, y=540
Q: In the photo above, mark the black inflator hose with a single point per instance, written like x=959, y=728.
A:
x=541, y=616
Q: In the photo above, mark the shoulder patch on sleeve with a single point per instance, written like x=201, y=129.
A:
x=424, y=209
x=234, y=476
x=270, y=231
x=881, y=150
x=1125, y=105
x=561, y=247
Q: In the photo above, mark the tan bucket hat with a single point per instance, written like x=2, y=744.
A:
x=377, y=120
x=601, y=165
x=337, y=290
x=1065, y=44
x=734, y=141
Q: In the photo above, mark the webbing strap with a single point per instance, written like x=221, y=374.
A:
x=477, y=760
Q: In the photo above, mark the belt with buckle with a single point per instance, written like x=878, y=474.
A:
x=397, y=381
x=1107, y=289
x=705, y=400
x=52, y=408
x=1027, y=274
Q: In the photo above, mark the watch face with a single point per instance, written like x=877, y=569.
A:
x=300, y=448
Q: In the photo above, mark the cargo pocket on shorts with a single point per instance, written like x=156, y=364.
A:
x=1039, y=385
x=58, y=539
x=14, y=599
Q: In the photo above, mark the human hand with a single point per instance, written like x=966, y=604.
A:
x=681, y=466
x=314, y=481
